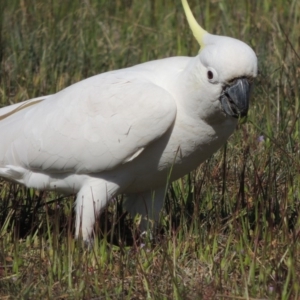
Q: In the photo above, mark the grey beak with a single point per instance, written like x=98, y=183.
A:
x=235, y=98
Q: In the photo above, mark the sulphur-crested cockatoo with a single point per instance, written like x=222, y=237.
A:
x=132, y=130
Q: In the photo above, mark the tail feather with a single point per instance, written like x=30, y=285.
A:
x=12, y=172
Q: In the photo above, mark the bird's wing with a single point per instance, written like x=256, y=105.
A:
x=92, y=126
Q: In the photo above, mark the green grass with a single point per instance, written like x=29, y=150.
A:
x=231, y=227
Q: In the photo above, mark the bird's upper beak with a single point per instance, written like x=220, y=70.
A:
x=235, y=98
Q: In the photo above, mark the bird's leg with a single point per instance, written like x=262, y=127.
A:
x=91, y=198
x=148, y=205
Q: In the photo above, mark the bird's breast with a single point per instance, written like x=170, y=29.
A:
x=181, y=150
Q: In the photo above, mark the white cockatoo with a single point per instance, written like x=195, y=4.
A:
x=129, y=131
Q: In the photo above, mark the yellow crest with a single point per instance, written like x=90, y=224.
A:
x=197, y=30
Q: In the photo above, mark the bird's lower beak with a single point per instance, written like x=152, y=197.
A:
x=235, y=98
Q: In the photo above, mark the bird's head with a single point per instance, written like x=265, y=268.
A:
x=228, y=65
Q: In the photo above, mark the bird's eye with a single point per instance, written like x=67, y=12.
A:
x=212, y=75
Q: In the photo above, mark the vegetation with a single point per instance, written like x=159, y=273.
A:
x=230, y=229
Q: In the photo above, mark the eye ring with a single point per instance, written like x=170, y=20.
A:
x=212, y=75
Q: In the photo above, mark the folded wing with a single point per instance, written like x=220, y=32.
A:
x=92, y=126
